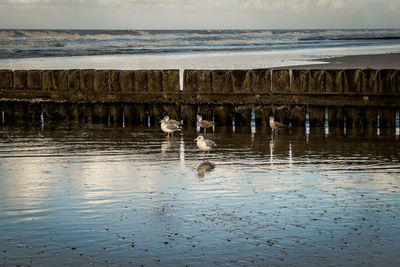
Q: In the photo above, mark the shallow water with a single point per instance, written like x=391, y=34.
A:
x=100, y=195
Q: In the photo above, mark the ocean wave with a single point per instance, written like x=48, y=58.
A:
x=35, y=43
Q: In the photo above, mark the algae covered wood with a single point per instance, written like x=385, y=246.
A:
x=280, y=81
x=6, y=79
x=300, y=81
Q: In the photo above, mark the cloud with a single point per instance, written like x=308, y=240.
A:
x=294, y=5
x=178, y=4
x=393, y=6
x=30, y=2
x=212, y=5
x=46, y=3
x=199, y=13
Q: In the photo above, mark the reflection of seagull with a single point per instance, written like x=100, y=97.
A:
x=272, y=144
x=168, y=120
x=204, y=124
x=205, y=144
x=204, y=167
x=275, y=125
x=165, y=145
x=169, y=127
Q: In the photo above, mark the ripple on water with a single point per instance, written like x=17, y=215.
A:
x=109, y=195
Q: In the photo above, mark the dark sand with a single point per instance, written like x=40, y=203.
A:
x=382, y=61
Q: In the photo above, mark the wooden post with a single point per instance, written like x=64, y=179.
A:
x=352, y=81
x=6, y=80
x=101, y=81
x=127, y=81
x=334, y=81
x=280, y=81
x=55, y=80
x=261, y=80
x=87, y=80
x=370, y=81
x=300, y=81
x=34, y=80
x=388, y=81
x=189, y=86
x=74, y=80
x=317, y=81
x=20, y=80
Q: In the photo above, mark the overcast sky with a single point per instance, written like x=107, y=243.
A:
x=199, y=14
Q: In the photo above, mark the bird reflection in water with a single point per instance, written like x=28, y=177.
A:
x=272, y=143
x=204, y=167
x=166, y=144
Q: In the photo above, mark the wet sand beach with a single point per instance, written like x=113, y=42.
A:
x=377, y=61
x=93, y=194
x=374, y=57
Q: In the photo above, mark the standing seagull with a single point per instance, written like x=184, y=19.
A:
x=169, y=127
x=275, y=125
x=168, y=120
x=205, y=144
x=204, y=124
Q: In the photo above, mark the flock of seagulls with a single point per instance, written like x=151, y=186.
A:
x=170, y=126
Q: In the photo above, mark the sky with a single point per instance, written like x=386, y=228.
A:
x=198, y=14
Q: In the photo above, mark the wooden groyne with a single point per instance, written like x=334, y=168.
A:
x=355, y=97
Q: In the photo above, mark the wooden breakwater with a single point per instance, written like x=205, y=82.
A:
x=355, y=97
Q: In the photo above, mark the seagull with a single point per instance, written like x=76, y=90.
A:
x=205, y=144
x=204, y=124
x=168, y=120
x=275, y=125
x=169, y=127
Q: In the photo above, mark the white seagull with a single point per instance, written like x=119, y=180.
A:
x=169, y=127
x=205, y=144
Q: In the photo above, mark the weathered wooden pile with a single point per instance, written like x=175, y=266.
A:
x=351, y=96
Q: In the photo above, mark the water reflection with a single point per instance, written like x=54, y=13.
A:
x=165, y=145
x=182, y=151
x=204, y=167
x=171, y=144
x=103, y=195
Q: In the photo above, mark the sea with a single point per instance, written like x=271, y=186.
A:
x=58, y=43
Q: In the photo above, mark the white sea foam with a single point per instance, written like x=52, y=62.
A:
x=35, y=43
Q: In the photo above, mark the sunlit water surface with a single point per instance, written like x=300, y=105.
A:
x=94, y=194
